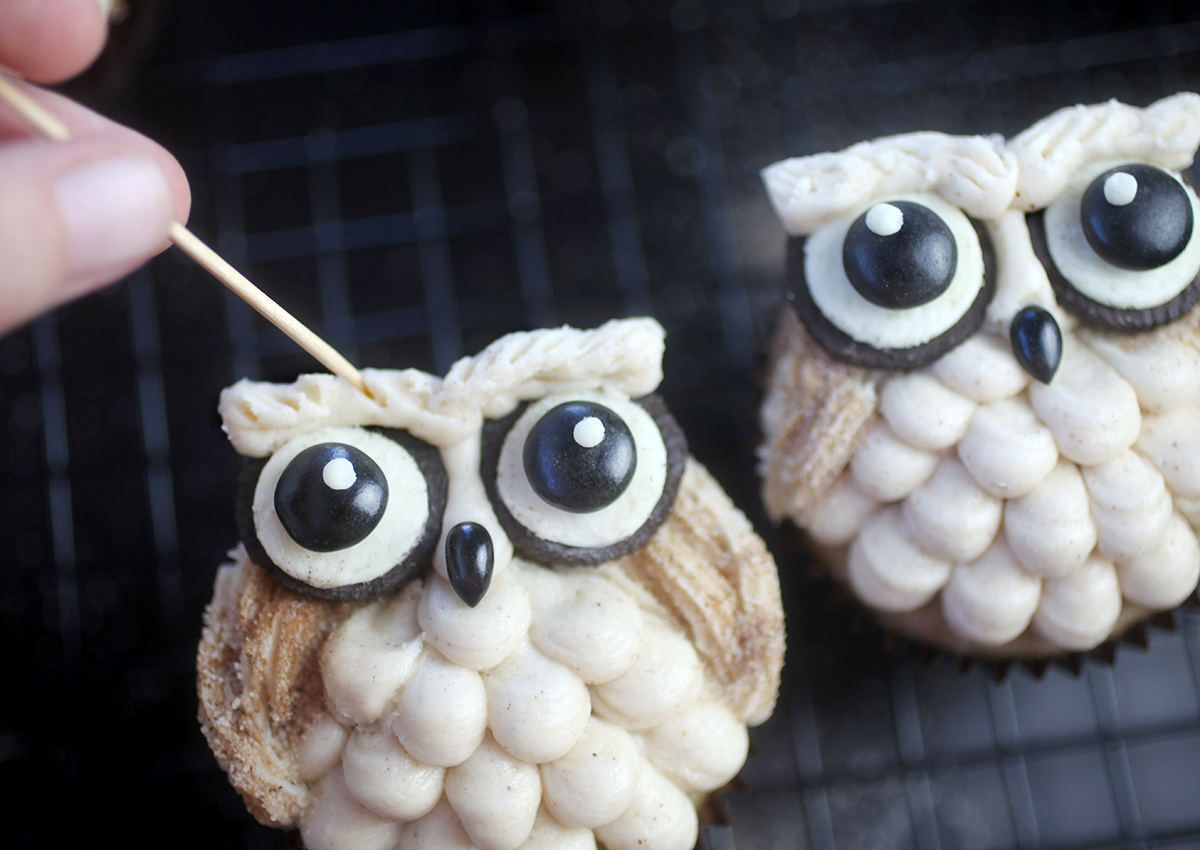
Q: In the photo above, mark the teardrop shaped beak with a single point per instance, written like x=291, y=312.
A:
x=1037, y=342
x=470, y=558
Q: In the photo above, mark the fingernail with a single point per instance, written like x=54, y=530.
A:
x=115, y=212
x=106, y=6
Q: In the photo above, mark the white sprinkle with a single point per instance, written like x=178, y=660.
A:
x=1120, y=188
x=589, y=432
x=339, y=474
x=884, y=219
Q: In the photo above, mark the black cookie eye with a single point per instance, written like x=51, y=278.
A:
x=1136, y=217
x=344, y=513
x=330, y=497
x=580, y=456
x=585, y=478
x=1119, y=246
x=899, y=255
x=895, y=285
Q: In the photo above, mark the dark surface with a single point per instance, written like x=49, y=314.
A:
x=414, y=180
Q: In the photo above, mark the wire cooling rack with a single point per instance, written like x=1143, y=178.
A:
x=413, y=183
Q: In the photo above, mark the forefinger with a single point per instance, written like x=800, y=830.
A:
x=49, y=41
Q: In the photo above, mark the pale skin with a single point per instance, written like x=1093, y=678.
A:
x=74, y=215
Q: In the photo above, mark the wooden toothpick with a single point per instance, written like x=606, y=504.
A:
x=209, y=259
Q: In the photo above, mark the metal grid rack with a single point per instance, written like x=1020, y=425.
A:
x=416, y=182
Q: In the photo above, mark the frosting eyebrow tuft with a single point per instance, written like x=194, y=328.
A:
x=1166, y=134
x=975, y=173
x=622, y=354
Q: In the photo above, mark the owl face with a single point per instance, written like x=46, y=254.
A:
x=983, y=403
x=498, y=609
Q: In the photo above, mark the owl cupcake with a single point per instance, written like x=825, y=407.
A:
x=983, y=399
x=500, y=609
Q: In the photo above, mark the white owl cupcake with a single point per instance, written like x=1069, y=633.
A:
x=498, y=610
x=983, y=404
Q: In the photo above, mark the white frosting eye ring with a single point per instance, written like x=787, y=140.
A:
x=585, y=477
x=892, y=285
x=1119, y=246
x=343, y=513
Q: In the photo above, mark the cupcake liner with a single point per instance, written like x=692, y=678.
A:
x=716, y=830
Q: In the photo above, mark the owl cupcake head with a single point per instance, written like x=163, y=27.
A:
x=547, y=444
x=970, y=390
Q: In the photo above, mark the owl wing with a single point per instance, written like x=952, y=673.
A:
x=711, y=571
x=259, y=684
x=815, y=409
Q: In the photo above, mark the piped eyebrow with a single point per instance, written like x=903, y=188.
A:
x=1048, y=154
x=975, y=173
x=624, y=355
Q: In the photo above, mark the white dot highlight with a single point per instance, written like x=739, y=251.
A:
x=1120, y=189
x=339, y=474
x=884, y=219
x=589, y=432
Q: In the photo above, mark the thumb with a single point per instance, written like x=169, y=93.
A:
x=74, y=216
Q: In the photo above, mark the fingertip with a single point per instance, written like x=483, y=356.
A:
x=115, y=213
x=76, y=216
x=49, y=41
x=177, y=182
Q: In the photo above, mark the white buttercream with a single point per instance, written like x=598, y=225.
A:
x=991, y=601
x=660, y=816
x=1050, y=152
x=888, y=570
x=624, y=355
x=924, y=412
x=975, y=174
x=1091, y=410
x=495, y=796
x=1079, y=611
x=594, y=782
x=1050, y=528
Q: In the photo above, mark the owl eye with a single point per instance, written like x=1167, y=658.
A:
x=583, y=478
x=330, y=496
x=899, y=255
x=1119, y=246
x=580, y=457
x=344, y=513
x=895, y=285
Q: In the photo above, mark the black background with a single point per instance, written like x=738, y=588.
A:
x=414, y=180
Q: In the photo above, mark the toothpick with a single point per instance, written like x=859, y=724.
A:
x=209, y=259
x=45, y=123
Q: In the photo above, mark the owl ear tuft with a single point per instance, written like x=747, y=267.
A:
x=624, y=355
x=975, y=173
x=1048, y=154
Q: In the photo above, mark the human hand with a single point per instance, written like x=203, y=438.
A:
x=74, y=215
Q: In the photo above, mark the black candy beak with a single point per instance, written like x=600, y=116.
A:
x=1037, y=342
x=470, y=558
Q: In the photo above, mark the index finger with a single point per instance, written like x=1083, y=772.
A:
x=49, y=41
